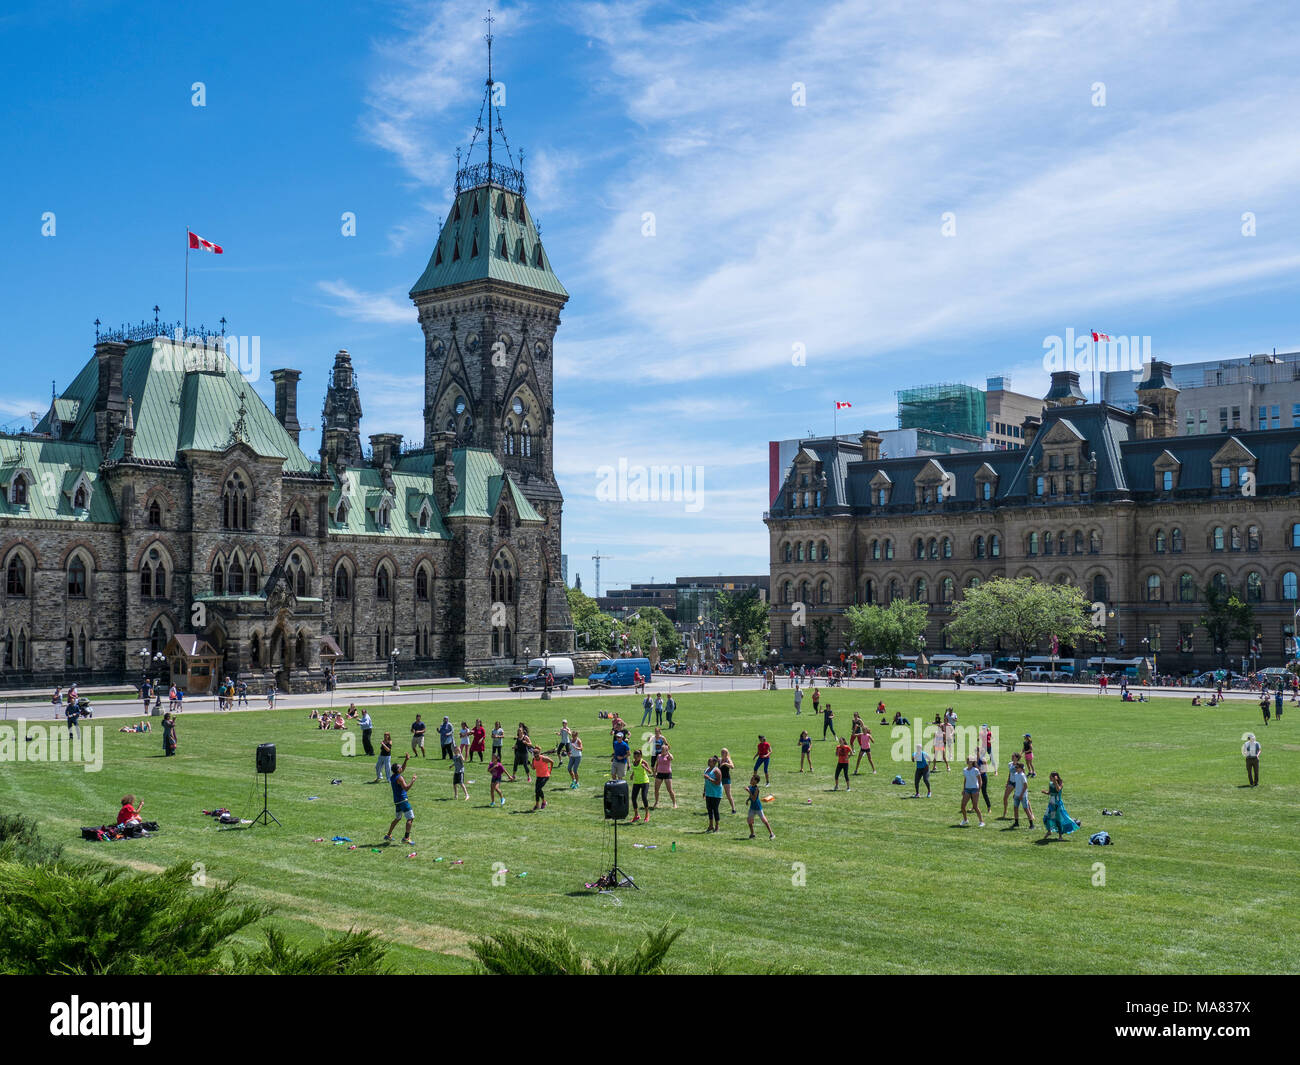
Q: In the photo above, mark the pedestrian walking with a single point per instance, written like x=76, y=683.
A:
x=367, y=727
x=798, y=702
x=1251, y=749
x=970, y=792
x=1020, y=792
x=922, y=772
x=1057, y=819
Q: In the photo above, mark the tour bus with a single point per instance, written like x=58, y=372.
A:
x=618, y=672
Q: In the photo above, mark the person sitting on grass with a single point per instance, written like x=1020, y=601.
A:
x=899, y=719
x=129, y=814
x=1196, y=700
x=143, y=726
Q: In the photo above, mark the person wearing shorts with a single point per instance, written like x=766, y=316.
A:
x=664, y=773
x=756, y=808
x=763, y=758
x=713, y=794
x=640, y=787
x=864, y=747
x=1013, y=767
x=618, y=763
x=805, y=752
x=970, y=792
x=575, y=758
x=417, y=735
x=523, y=750
x=1020, y=788
x=458, y=775
x=941, y=741
x=725, y=766
x=542, y=773
x=401, y=801
x=842, y=752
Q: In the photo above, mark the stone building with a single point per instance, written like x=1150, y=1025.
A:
x=159, y=496
x=1113, y=501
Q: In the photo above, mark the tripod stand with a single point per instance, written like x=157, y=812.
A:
x=266, y=817
x=616, y=877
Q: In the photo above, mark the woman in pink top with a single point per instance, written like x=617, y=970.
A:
x=664, y=774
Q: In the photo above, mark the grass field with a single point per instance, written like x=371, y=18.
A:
x=1201, y=877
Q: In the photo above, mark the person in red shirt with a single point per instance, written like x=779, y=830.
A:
x=542, y=773
x=842, y=751
x=130, y=812
x=763, y=757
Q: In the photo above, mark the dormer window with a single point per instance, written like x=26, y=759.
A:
x=18, y=490
x=341, y=512
x=383, y=516
x=79, y=498
x=426, y=518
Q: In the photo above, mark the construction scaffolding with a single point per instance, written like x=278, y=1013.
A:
x=942, y=408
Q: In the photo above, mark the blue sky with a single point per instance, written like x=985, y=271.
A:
x=775, y=225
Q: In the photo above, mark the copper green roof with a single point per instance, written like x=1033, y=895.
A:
x=481, y=480
x=365, y=491
x=54, y=467
x=490, y=235
x=182, y=399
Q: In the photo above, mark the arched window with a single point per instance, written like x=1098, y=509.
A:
x=341, y=512
x=235, y=576
x=342, y=582
x=234, y=503
x=974, y=582
x=1176, y=541
x=934, y=548
x=79, y=499
x=18, y=493
x=1234, y=539
x=875, y=551
x=920, y=548
x=1060, y=543
x=995, y=546
x=1100, y=590
x=1220, y=583
x=1254, y=587
x=496, y=642
x=947, y=547
x=824, y=592
x=1078, y=541
x=798, y=554
x=155, y=515
x=153, y=576
x=805, y=592
x=1295, y=535
x=1252, y=538
x=503, y=522
x=869, y=592
x=295, y=520
x=1160, y=541
x=218, y=578
x=894, y=591
x=16, y=577
x=1153, y=588
x=921, y=591
x=76, y=578
x=1047, y=543
x=1186, y=588
x=1217, y=539
x=255, y=650
x=159, y=636
x=787, y=552
x=422, y=585
x=1289, y=586
x=81, y=648
x=1094, y=543
x=826, y=551
x=979, y=547
x=254, y=578
x=382, y=584
x=889, y=550
x=1033, y=543
x=503, y=579
x=787, y=592
x=69, y=650
x=946, y=590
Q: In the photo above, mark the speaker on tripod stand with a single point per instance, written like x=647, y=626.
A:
x=265, y=767
x=616, y=807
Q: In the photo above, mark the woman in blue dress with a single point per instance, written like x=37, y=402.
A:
x=1057, y=819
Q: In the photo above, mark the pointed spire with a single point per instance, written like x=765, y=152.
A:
x=129, y=424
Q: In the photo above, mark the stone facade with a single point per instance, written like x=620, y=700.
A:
x=1102, y=498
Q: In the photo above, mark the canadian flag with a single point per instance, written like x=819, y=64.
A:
x=1096, y=337
x=198, y=242
x=839, y=405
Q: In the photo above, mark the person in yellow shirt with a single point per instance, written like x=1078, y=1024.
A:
x=640, y=787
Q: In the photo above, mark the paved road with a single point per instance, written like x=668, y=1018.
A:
x=427, y=694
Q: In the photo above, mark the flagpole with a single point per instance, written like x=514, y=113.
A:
x=1096, y=386
x=185, y=321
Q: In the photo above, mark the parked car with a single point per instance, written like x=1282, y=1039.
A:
x=535, y=676
x=1210, y=679
x=992, y=676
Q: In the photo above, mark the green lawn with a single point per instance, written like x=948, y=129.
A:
x=1201, y=877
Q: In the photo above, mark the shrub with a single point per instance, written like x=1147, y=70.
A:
x=553, y=953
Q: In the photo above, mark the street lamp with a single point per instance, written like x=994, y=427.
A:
x=392, y=666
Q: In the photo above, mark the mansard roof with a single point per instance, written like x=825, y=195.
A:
x=56, y=465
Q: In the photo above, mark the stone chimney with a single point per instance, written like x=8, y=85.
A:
x=286, y=400
x=1160, y=394
x=1029, y=429
x=386, y=449
x=1144, y=422
x=110, y=404
x=445, y=486
x=871, y=446
x=1065, y=390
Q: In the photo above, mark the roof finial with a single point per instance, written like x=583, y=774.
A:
x=488, y=37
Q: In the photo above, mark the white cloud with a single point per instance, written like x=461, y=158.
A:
x=349, y=302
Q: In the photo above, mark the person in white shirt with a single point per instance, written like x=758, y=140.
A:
x=970, y=792
x=1020, y=787
x=798, y=701
x=1251, y=749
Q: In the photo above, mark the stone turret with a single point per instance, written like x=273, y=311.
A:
x=1160, y=394
x=341, y=416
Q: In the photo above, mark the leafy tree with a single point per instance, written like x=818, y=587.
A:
x=887, y=631
x=1226, y=618
x=1021, y=613
x=821, y=628
x=743, y=614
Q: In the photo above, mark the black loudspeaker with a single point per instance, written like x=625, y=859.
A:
x=266, y=760
x=616, y=800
